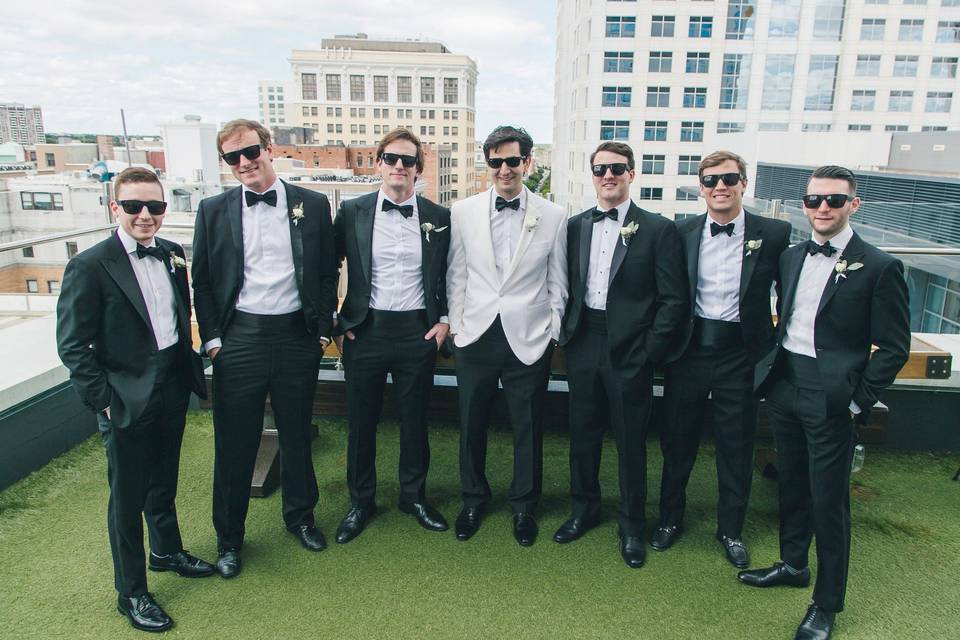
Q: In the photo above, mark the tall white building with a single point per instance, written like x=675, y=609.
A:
x=668, y=76
x=21, y=124
x=353, y=90
x=272, y=99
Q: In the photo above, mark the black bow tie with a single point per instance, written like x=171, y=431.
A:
x=406, y=210
x=270, y=197
x=813, y=248
x=156, y=252
x=716, y=229
x=600, y=214
x=502, y=204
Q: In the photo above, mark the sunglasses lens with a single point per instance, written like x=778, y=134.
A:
x=134, y=207
x=618, y=169
x=709, y=181
x=513, y=161
x=812, y=201
x=156, y=207
x=231, y=158
x=836, y=200
x=250, y=153
x=730, y=179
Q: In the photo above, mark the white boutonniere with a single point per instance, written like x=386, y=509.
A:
x=530, y=222
x=842, y=267
x=753, y=245
x=296, y=214
x=627, y=231
x=428, y=228
x=176, y=262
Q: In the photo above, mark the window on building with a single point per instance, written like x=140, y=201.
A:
x=660, y=62
x=859, y=127
x=658, y=96
x=700, y=27
x=828, y=20
x=428, y=90
x=683, y=196
x=784, y=18
x=652, y=164
x=868, y=65
x=906, y=66
x=896, y=127
x=816, y=127
x=616, y=97
x=72, y=249
x=915, y=2
x=698, y=62
x=774, y=126
x=41, y=201
x=662, y=26
x=333, y=86
x=872, y=28
x=900, y=101
x=741, y=17
x=735, y=81
x=651, y=193
x=32, y=286
x=381, y=91
x=821, y=83
x=948, y=31
x=451, y=92
x=694, y=97
x=778, y=82
x=863, y=100
x=933, y=128
x=691, y=131
x=911, y=30
x=944, y=67
x=621, y=26
x=50, y=159
x=731, y=127
x=53, y=286
x=314, y=111
x=357, y=93
x=618, y=61
x=28, y=252
x=938, y=101
x=404, y=89
x=655, y=130
x=308, y=84
x=687, y=165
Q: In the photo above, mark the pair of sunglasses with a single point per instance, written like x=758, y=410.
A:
x=712, y=180
x=834, y=200
x=513, y=162
x=391, y=159
x=134, y=207
x=232, y=158
x=617, y=169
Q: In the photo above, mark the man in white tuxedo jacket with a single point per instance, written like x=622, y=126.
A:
x=506, y=291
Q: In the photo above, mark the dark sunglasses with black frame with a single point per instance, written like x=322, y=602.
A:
x=712, y=180
x=134, y=207
x=834, y=200
x=390, y=159
x=513, y=162
x=616, y=168
x=232, y=158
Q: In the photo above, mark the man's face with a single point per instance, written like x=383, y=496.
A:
x=141, y=226
x=508, y=180
x=256, y=174
x=397, y=177
x=825, y=221
x=612, y=189
x=722, y=200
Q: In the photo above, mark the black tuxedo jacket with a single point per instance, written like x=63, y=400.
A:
x=868, y=307
x=218, y=260
x=353, y=231
x=647, y=298
x=104, y=334
x=758, y=271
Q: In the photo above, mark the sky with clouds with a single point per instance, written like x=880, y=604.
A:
x=82, y=61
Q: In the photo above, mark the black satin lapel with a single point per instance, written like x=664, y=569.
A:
x=852, y=253
x=692, y=241
x=791, y=278
x=425, y=216
x=620, y=249
x=178, y=277
x=296, y=238
x=235, y=215
x=364, y=234
x=586, y=238
x=118, y=267
x=752, y=230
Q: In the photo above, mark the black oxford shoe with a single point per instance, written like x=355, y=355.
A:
x=816, y=625
x=573, y=529
x=428, y=517
x=183, y=563
x=524, y=529
x=310, y=537
x=632, y=550
x=735, y=551
x=144, y=613
x=228, y=562
x=775, y=576
x=664, y=537
x=352, y=524
x=468, y=522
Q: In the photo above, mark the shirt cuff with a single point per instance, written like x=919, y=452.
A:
x=216, y=343
x=854, y=409
x=444, y=320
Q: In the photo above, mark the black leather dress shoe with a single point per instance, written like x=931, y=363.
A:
x=310, y=537
x=775, y=576
x=816, y=625
x=632, y=550
x=664, y=537
x=228, y=562
x=524, y=529
x=144, y=613
x=573, y=529
x=352, y=524
x=428, y=517
x=736, y=551
x=183, y=563
x=468, y=522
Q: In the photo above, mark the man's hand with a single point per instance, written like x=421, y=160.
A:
x=213, y=353
x=439, y=333
x=339, y=340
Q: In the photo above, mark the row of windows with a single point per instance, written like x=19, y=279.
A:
x=36, y=200
x=381, y=90
x=361, y=112
x=692, y=131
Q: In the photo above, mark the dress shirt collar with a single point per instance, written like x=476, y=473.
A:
x=621, y=208
x=129, y=243
x=839, y=241
x=277, y=184
x=493, y=200
x=738, y=223
x=381, y=196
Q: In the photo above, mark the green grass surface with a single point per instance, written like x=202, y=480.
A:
x=399, y=581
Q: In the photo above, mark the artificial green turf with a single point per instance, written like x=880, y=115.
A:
x=399, y=581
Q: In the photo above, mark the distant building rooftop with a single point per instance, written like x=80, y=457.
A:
x=360, y=42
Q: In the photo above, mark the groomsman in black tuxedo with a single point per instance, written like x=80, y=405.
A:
x=123, y=331
x=732, y=260
x=840, y=296
x=628, y=297
x=264, y=280
x=395, y=319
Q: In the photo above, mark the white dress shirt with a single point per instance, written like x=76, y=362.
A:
x=506, y=226
x=718, y=274
x=269, y=280
x=396, y=259
x=603, y=242
x=156, y=286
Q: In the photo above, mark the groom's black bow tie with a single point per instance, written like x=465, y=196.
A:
x=826, y=249
x=270, y=197
x=406, y=210
x=600, y=214
x=717, y=229
x=156, y=252
x=502, y=204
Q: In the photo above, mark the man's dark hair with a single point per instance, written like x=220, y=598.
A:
x=619, y=148
x=132, y=175
x=506, y=134
x=834, y=172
